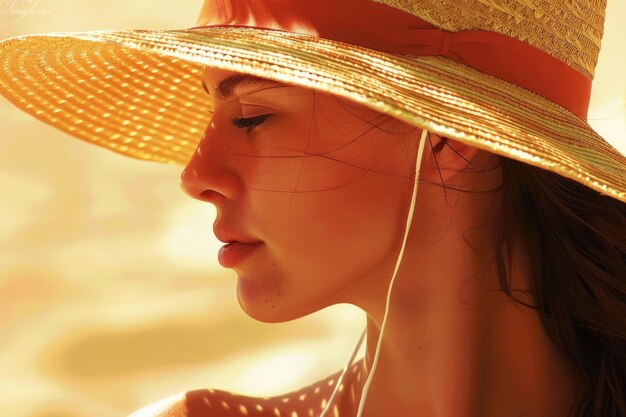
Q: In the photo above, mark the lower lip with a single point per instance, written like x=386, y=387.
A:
x=232, y=253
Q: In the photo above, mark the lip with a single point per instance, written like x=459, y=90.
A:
x=227, y=235
x=231, y=254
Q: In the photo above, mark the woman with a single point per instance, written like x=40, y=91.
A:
x=506, y=294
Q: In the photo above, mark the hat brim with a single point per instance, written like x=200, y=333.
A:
x=139, y=93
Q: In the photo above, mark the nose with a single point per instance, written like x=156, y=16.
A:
x=208, y=176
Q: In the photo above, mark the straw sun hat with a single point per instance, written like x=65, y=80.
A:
x=512, y=77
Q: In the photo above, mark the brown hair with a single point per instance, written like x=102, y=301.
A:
x=576, y=242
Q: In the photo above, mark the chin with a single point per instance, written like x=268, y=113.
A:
x=272, y=308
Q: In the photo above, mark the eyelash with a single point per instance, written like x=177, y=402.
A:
x=248, y=123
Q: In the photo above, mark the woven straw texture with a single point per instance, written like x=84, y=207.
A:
x=569, y=30
x=139, y=93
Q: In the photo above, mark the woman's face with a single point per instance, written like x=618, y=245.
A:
x=313, y=179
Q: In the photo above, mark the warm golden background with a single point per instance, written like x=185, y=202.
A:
x=111, y=296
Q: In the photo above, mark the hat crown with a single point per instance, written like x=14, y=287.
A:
x=569, y=30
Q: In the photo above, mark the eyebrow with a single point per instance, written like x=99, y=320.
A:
x=226, y=87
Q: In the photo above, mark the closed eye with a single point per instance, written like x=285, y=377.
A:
x=248, y=123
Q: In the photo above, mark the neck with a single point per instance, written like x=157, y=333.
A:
x=464, y=360
x=461, y=367
x=455, y=345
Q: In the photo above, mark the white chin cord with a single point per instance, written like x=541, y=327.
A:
x=331, y=400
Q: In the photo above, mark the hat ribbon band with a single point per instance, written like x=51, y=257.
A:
x=402, y=33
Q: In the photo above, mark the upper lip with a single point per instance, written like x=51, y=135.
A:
x=227, y=235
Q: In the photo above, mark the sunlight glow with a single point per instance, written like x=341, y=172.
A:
x=279, y=372
x=188, y=237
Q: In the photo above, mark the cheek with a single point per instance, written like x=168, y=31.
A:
x=338, y=208
x=335, y=236
x=348, y=191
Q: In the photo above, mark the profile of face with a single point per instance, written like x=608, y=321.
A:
x=323, y=183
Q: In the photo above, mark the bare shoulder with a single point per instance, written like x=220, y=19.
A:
x=172, y=406
x=210, y=403
x=308, y=401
